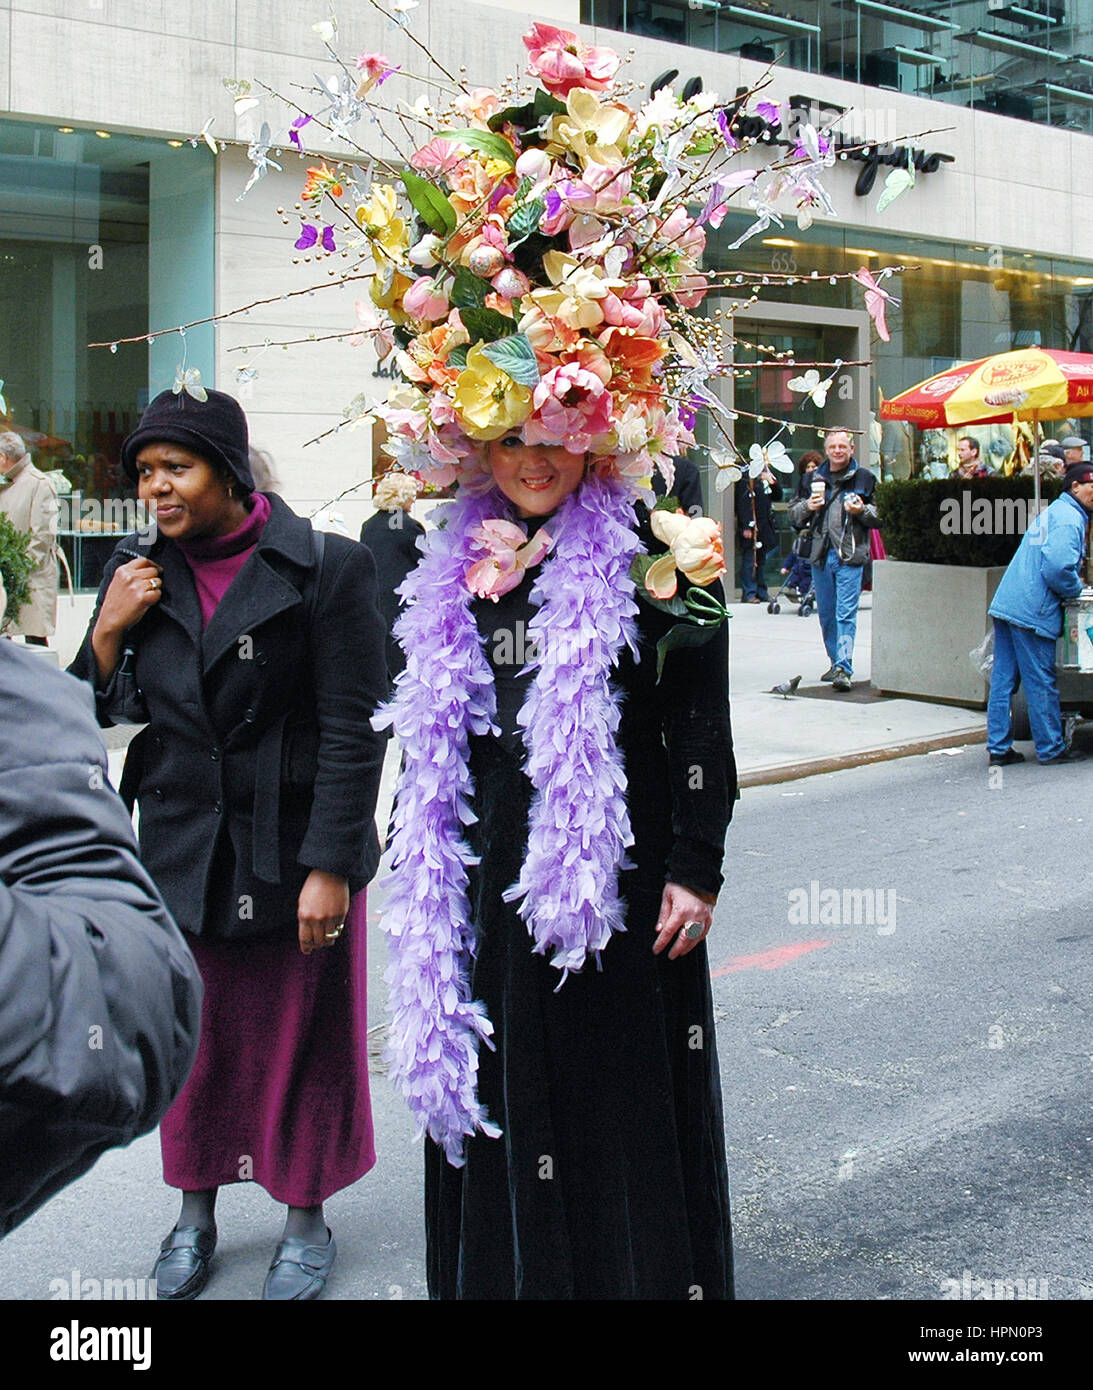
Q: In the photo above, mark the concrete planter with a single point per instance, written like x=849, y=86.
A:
x=926, y=619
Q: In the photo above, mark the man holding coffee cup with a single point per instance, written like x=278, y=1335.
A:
x=839, y=512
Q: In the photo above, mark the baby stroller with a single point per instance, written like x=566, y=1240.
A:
x=798, y=587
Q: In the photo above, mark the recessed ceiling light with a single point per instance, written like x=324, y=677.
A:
x=176, y=144
x=103, y=134
x=66, y=130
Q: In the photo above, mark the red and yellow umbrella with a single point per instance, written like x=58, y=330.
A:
x=1029, y=384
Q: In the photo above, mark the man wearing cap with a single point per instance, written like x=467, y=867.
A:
x=1028, y=617
x=1073, y=449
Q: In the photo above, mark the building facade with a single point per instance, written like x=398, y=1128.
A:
x=117, y=223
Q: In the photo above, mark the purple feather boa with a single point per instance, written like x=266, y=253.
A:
x=579, y=828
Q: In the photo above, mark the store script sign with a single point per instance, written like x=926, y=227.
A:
x=871, y=155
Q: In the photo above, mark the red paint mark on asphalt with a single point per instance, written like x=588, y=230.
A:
x=773, y=959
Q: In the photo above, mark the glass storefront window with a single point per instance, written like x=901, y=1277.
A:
x=102, y=236
x=963, y=302
x=1032, y=60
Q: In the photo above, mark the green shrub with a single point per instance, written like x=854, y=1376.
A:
x=16, y=567
x=920, y=522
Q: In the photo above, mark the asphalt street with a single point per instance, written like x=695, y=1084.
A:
x=907, y=1062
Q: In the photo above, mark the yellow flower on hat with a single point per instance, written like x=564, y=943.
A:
x=378, y=219
x=487, y=400
x=576, y=299
x=594, y=130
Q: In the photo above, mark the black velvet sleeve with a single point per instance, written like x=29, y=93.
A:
x=694, y=696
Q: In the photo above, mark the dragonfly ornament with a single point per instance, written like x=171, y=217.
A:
x=188, y=379
x=771, y=455
x=897, y=182
x=258, y=154
x=877, y=299
x=814, y=386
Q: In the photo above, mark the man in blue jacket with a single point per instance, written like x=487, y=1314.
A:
x=1028, y=617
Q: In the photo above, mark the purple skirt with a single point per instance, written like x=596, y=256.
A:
x=279, y=1092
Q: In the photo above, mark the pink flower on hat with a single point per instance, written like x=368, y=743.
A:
x=571, y=407
x=561, y=61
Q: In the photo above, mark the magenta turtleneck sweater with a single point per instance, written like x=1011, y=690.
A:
x=216, y=560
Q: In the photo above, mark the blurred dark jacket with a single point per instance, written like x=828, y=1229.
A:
x=392, y=538
x=100, y=1002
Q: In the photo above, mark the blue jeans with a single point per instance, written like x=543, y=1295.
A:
x=752, y=582
x=1022, y=657
x=838, y=592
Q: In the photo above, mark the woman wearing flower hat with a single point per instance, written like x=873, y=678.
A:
x=568, y=772
x=255, y=658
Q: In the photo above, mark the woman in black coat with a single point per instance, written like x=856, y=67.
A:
x=254, y=655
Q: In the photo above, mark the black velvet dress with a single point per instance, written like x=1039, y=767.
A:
x=609, y=1180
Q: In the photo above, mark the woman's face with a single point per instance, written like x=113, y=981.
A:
x=536, y=478
x=189, y=497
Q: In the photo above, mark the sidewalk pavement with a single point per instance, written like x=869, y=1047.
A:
x=817, y=729
x=777, y=740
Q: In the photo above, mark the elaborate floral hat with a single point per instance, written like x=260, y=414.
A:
x=547, y=285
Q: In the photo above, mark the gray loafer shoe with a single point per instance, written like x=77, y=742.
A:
x=181, y=1270
x=299, y=1271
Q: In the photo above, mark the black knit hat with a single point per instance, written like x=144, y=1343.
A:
x=215, y=428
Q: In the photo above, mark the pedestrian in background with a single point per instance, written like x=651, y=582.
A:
x=840, y=514
x=392, y=535
x=756, y=536
x=969, y=464
x=29, y=500
x=1028, y=617
x=253, y=652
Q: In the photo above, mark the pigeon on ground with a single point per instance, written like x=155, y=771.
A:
x=787, y=688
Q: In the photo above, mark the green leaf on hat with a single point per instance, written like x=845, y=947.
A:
x=486, y=325
x=468, y=291
x=524, y=221
x=492, y=146
x=516, y=358
x=429, y=203
x=527, y=117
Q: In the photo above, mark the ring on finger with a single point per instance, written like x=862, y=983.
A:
x=694, y=931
